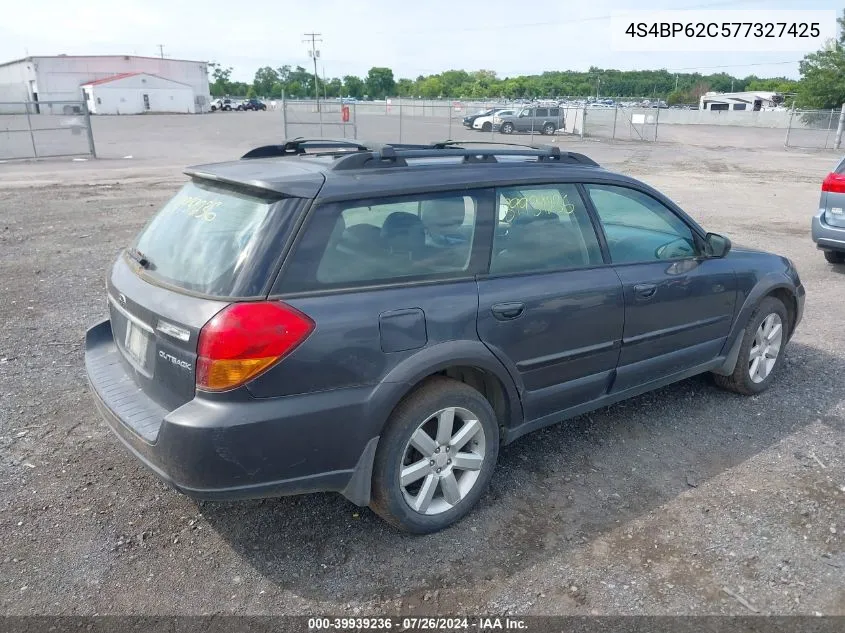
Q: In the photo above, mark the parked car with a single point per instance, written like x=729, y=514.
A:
x=828, y=225
x=469, y=119
x=252, y=104
x=286, y=325
x=222, y=104
x=539, y=120
x=485, y=123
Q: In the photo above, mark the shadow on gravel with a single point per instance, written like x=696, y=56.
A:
x=553, y=490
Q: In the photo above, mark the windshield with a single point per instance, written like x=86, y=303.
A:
x=203, y=239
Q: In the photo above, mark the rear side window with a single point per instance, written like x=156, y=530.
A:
x=542, y=112
x=543, y=228
x=387, y=240
x=207, y=239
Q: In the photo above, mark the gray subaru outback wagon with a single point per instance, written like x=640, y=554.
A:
x=378, y=320
x=828, y=224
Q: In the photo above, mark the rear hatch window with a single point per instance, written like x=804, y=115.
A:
x=216, y=240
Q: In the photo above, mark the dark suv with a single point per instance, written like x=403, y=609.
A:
x=379, y=320
x=252, y=104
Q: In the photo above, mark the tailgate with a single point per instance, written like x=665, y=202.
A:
x=156, y=331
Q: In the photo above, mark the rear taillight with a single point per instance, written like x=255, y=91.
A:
x=835, y=183
x=246, y=339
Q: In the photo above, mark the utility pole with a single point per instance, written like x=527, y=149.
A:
x=161, y=50
x=676, y=82
x=314, y=54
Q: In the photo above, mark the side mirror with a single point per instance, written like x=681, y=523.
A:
x=716, y=245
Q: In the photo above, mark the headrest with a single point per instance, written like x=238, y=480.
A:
x=443, y=213
x=404, y=232
x=362, y=237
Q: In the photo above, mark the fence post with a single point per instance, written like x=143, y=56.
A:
x=449, y=114
x=615, y=114
x=656, y=122
x=829, y=126
x=789, y=126
x=285, y=115
x=88, y=129
x=583, y=120
x=838, y=142
x=320, y=112
x=400, y=121
x=31, y=133
x=355, y=121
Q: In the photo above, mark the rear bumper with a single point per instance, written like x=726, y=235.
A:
x=241, y=447
x=825, y=236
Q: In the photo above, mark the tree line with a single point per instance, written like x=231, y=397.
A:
x=822, y=83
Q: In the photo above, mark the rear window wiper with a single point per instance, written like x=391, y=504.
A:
x=139, y=257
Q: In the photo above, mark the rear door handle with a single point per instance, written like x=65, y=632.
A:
x=508, y=311
x=645, y=291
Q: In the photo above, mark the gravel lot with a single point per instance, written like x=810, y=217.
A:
x=687, y=500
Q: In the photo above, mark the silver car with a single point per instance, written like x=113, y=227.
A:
x=829, y=222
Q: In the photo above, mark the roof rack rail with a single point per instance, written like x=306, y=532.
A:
x=355, y=154
x=554, y=150
x=298, y=146
x=397, y=156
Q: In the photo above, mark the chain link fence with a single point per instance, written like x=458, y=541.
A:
x=330, y=119
x=45, y=129
x=813, y=129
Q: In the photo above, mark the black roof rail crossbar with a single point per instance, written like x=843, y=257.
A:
x=297, y=147
x=554, y=151
x=395, y=157
x=450, y=144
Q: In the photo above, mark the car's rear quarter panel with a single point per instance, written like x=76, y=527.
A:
x=353, y=330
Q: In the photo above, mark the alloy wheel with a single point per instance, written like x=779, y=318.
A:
x=765, y=348
x=442, y=460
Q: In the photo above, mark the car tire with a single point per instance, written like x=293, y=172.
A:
x=486, y=127
x=549, y=129
x=834, y=257
x=422, y=504
x=747, y=378
x=507, y=128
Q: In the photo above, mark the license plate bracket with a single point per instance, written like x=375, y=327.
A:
x=135, y=343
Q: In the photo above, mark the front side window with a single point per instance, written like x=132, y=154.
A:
x=380, y=241
x=542, y=228
x=639, y=228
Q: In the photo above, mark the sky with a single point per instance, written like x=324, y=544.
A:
x=413, y=37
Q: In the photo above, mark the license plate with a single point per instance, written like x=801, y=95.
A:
x=136, y=343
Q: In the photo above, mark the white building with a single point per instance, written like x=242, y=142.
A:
x=754, y=101
x=138, y=93
x=61, y=77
